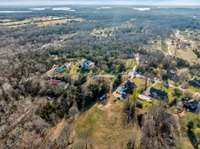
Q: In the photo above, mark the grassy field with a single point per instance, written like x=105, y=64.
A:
x=102, y=127
x=193, y=136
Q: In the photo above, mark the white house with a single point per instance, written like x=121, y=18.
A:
x=87, y=64
x=145, y=98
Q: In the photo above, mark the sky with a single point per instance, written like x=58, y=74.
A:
x=101, y=2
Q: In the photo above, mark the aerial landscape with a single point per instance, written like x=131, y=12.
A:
x=85, y=75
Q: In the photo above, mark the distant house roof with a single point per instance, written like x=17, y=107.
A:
x=129, y=85
x=87, y=64
x=158, y=94
x=54, y=82
x=195, y=83
x=61, y=69
x=121, y=89
x=145, y=98
x=192, y=105
x=125, y=89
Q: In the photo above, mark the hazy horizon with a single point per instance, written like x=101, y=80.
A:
x=103, y=2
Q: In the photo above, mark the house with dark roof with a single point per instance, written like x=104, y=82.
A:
x=124, y=90
x=158, y=94
x=87, y=64
x=192, y=105
x=195, y=83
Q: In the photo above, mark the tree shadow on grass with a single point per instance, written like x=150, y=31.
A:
x=191, y=135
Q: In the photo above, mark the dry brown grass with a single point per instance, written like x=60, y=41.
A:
x=101, y=129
